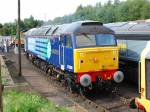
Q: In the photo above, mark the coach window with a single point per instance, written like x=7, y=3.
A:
x=68, y=41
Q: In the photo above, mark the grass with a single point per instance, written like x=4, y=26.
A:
x=15, y=101
x=4, y=81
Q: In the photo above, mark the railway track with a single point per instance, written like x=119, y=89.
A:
x=99, y=102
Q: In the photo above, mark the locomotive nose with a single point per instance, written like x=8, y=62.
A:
x=85, y=80
x=118, y=76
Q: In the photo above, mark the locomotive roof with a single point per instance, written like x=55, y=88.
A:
x=133, y=30
x=39, y=31
x=83, y=27
x=75, y=27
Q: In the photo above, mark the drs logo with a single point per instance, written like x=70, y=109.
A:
x=40, y=46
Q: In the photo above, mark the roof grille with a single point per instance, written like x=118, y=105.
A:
x=92, y=23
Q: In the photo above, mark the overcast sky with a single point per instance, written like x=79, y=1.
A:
x=41, y=9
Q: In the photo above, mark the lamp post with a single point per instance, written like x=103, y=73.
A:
x=19, y=42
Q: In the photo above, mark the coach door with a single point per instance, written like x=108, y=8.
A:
x=61, y=51
x=147, y=78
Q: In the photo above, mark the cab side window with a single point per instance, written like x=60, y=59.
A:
x=68, y=41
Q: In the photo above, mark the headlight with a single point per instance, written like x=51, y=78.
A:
x=85, y=80
x=118, y=76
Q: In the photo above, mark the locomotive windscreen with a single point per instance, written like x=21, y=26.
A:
x=88, y=40
x=148, y=78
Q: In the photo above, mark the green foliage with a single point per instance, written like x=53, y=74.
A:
x=8, y=29
x=11, y=28
x=24, y=102
x=31, y=23
x=112, y=11
x=1, y=26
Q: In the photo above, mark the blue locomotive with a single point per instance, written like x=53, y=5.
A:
x=82, y=54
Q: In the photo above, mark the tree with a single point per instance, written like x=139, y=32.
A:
x=1, y=26
x=145, y=11
x=26, y=24
x=116, y=2
x=112, y=11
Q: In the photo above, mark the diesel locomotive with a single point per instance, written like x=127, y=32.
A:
x=82, y=54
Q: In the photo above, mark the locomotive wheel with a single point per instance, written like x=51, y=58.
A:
x=49, y=71
x=59, y=77
x=70, y=89
x=82, y=91
x=70, y=86
x=42, y=64
x=108, y=87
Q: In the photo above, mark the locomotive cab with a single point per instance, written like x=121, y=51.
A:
x=96, y=55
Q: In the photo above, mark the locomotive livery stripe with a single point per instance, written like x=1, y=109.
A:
x=40, y=53
x=40, y=46
x=41, y=42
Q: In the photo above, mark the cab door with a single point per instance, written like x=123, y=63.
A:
x=61, y=52
x=66, y=53
x=147, y=78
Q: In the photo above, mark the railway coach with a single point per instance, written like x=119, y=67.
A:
x=82, y=54
x=132, y=38
x=143, y=102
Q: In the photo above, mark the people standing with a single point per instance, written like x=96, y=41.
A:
x=2, y=46
x=5, y=46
